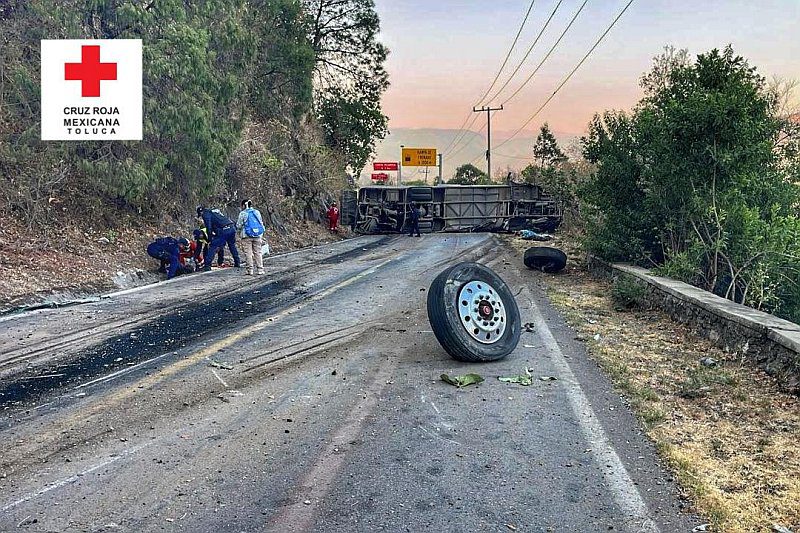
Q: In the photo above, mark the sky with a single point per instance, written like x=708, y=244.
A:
x=444, y=54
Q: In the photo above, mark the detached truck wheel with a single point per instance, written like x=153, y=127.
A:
x=545, y=258
x=473, y=313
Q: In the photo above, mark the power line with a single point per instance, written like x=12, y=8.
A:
x=452, y=154
x=528, y=53
x=462, y=130
x=566, y=79
x=549, y=53
x=508, y=55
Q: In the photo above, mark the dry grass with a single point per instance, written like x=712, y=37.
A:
x=729, y=434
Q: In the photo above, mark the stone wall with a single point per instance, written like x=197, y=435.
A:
x=763, y=339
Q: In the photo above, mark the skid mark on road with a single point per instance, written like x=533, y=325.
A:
x=107, y=403
x=72, y=479
x=317, y=483
x=613, y=470
x=237, y=337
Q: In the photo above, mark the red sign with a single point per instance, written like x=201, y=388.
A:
x=393, y=165
x=380, y=177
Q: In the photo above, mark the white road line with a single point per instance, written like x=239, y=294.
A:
x=619, y=481
x=72, y=479
x=122, y=372
x=219, y=378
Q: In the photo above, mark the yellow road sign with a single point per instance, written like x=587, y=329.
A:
x=419, y=157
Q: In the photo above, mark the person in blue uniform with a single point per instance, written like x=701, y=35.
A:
x=202, y=241
x=222, y=231
x=168, y=251
x=414, y=219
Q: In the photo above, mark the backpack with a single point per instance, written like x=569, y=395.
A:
x=253, y=226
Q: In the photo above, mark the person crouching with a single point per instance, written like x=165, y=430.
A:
x=168, y=251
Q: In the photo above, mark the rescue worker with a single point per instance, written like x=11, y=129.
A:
x=168, y=251
x=251, y=232
x=201, y=242
x=222, y=231
x=414, y=220
x=333, y=217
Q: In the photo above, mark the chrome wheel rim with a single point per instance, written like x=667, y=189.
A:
x=482, y=312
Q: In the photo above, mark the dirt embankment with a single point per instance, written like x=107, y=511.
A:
x=725, y=428
x=72, y=260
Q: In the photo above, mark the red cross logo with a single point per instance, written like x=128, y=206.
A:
x=90, y=71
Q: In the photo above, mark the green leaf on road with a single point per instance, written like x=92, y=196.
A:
x=522, y=379
x=462, y=381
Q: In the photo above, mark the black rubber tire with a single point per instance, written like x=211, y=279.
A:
x=545, y=258
x=419, y=194
x=446, y=322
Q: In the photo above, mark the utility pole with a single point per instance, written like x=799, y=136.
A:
x=441, y=175
x=400, y=167
x=488, y=135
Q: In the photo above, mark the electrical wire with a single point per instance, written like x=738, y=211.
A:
x=461, y=133
x=528, y=53
x=520, y=64
x=462, y=129
x=508, y=55
x=567, y=78
x=547, y=56
x=467, y=143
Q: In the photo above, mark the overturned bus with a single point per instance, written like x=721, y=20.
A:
x=457, y=208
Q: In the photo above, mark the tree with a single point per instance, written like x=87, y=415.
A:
x=546, y=152
x=350, y=76
x=702, y=179
x=469, y=174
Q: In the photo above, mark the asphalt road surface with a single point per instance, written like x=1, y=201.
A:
x=309, y=400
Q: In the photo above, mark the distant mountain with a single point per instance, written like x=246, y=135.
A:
x=515, y=155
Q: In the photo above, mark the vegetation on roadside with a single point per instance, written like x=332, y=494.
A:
x=469, y=174
x=271, y=99
x=725, y=429
x=558, y=174
x=702, y=180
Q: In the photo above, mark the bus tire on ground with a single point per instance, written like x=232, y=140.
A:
x=545, y=258
x=473, y=313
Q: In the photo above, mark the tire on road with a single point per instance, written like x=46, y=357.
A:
x=473, y=313
x=545, y=258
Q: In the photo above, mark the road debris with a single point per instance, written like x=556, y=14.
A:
x=462, y=381
x=709, y=362
x=223, y=365
x=780, y=529
x=701, y=527
x=522, y=379
x=548, y=378
x=528, y=327
x=530, y=235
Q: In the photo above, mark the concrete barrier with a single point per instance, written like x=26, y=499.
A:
x=766, y=340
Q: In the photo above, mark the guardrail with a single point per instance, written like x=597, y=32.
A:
x=765, y=340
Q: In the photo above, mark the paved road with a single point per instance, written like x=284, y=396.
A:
x=309, y=400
